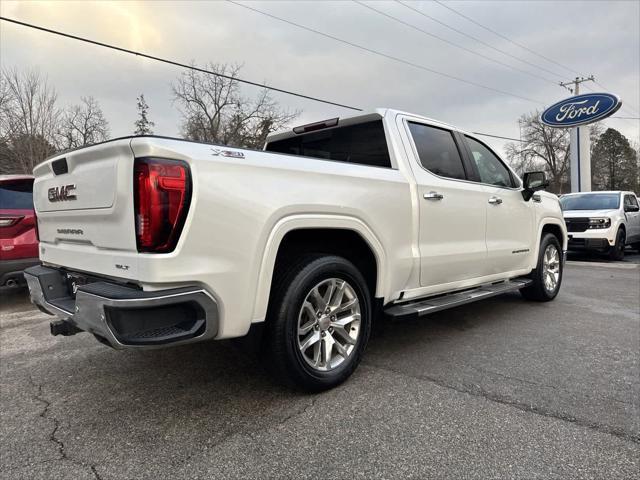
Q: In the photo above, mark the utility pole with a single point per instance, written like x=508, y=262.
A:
x=580, y=145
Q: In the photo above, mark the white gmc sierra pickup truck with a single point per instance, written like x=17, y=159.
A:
x=151, y=241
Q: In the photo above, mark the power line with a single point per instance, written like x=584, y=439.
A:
x=385, y=55
x=629, y=108
x=574, y=85
x=175, y=63
x=192, y=67
x=475, y=22
x=504, y=37
x=476, y=39
x=625, y=108
x=498, y=136
x=462, y=47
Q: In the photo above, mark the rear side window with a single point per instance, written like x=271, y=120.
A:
x=437, y=150
x=16, y=195
x=490, y=168
x=364, y=144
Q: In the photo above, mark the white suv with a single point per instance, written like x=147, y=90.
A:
x=602, y=221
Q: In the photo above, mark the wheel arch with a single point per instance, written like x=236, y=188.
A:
x=549, y=225
x=330, y=226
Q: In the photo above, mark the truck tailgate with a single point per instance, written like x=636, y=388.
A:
x=84, y=204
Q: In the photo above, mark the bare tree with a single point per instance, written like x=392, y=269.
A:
x=214, y=110
x=5, y=101
x=546, y=148
x=520, y=162
x=143, y=125
x=542, y=147
x=28, y=120
x=83, y=125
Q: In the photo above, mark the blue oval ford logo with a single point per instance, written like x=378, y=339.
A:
x=581, y=109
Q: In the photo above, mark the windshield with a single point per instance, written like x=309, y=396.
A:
x=591, y=201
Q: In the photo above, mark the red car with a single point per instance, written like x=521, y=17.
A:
x=18, y=236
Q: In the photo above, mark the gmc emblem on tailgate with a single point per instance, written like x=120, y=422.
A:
x=62, y=193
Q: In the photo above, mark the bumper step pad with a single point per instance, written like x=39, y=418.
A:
x=121, y=315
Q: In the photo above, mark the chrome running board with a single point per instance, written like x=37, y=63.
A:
x=418, y=308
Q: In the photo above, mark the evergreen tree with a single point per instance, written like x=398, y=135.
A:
x=614, y=163
x=143, y=124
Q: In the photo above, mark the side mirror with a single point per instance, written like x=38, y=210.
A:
x=631, y=208
x=532, y=182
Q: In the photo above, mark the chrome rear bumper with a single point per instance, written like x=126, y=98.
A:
x=123, y=316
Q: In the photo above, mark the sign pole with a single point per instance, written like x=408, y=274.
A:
x=580, y=148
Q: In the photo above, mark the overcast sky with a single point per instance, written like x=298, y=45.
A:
x=599, y=38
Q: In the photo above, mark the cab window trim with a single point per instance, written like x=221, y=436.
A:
x=514, y=179
x=456, y=142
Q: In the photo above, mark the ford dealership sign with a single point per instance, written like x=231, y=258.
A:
x=581, y=109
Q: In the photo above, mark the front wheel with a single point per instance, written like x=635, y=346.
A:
x=547, y=276
x=318, y=322
x=616, y=252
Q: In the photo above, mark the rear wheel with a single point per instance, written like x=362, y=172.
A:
x=616, y=252
x=547, y=276
x=318, y=322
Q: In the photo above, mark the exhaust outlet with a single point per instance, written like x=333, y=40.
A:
x=11, y=282
x=63, y=327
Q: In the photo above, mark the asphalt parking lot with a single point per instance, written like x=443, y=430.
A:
x=499, y=389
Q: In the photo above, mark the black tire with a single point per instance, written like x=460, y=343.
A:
x=537, y=290
x=291, y=286
x=616, y=252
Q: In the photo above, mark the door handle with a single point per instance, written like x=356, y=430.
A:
x=433, y=196
x=495, y=200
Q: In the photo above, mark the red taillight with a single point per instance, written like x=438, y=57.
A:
x=9, y=220
x=162, y=194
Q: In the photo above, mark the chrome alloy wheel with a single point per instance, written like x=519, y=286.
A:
x=328, y=324
x=551, y=268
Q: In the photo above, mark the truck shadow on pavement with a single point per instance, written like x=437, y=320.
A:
x=224, y=383
x=220, y=377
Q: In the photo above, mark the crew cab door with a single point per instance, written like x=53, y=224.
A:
x=633, y=218
x=510, y=237
x=452, y=211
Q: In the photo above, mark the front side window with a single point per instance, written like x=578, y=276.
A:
x=490, y=168
x=630, y=200
x=437, y=151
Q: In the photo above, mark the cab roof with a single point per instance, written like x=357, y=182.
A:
x=369, y=116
